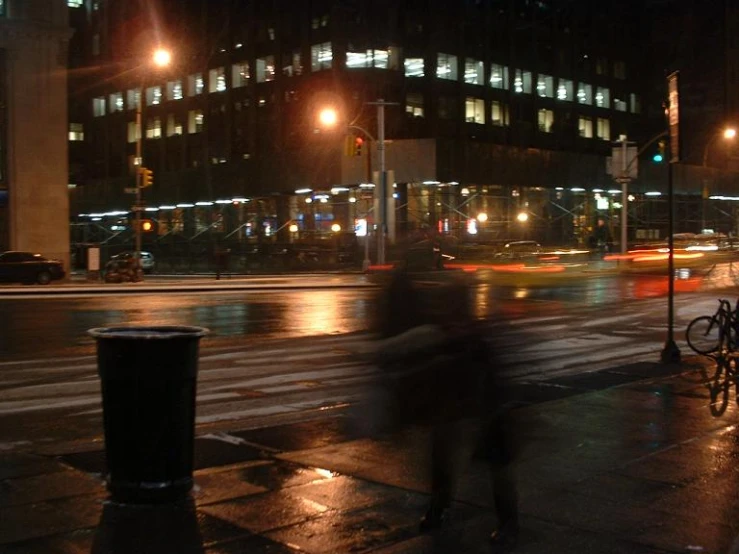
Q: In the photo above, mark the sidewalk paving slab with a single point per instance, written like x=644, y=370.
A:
x=645, y=465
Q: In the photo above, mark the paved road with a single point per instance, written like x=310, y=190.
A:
x=44, y=400
x=45, y=323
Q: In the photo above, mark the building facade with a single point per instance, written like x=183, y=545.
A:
x=34, y=199
x=495, y=108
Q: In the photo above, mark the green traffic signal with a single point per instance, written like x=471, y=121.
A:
x=658, y=158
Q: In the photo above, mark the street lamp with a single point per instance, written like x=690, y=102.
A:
x=160, y=58
x=728, y=134
x=329, y=117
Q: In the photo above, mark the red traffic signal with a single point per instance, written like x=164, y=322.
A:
x=358, y=143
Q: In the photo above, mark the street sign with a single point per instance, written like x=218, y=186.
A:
x=615, y=164
x=673, y=90
x=130, y=190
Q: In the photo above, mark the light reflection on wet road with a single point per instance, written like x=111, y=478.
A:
x=49, y=327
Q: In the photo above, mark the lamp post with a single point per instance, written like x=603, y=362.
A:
x=160, y=58
x=328, y=118
x=728, y=134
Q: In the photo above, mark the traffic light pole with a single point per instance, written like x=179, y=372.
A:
x=139, y=178
x=383, y=184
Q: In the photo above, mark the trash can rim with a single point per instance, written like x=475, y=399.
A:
x=155, y=332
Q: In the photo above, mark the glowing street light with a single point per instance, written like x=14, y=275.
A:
x=161, y=57
x=328, y=117
x=293, y=228
x=728, y=134
x=482, y=217
x=336, y=227
x=522, y=217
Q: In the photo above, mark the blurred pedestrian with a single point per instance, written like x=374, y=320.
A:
x=447, y=376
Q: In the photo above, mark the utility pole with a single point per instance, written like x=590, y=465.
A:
x=382, y=188
x=139, y=176
x=624, y=196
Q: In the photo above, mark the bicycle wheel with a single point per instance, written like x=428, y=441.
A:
x=704, y=334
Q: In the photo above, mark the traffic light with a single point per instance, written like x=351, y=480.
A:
x=358, y=143
x=147, y=177
x=660, y=155
x=147, y=225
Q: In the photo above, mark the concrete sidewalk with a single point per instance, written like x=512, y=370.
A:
x=636, y=459
x=78, y=284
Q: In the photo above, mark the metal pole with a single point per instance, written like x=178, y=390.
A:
x=624, y=196
x=366, y=262
x=670, y=352
x=139, y=166
x=382, y=193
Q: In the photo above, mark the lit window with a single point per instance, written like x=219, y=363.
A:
x=195, y=121
x=174, y=90
x=446, y=67
x=134, y=132
x=291, y=64
x=499, y=76
x=195, y=84
x=499, y=114
x=584, y=94
x=239, y=74
x=474, y=110
x=174, y=127
x=545, y=86
x=133, y=97
x=473, y=72
x=414, y=104
x=154, y=128
x=115, y=102
x=546, y=120
x=98, y=106
x=265, y=69
x=414, y=67
x=635, y=103
x=217, y=79
x=382, y=59
x=620, y=105
x=585, y=127
x=321, y=56
x=603, y=130
x=153, y=96
x=522, y=82
x=602, y=97
x=72, y=3
x=76, y=132
x=564, y=90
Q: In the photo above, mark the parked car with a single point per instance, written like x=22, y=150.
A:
x=147, y=259
x=28, y=268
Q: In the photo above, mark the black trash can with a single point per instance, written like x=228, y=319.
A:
x=149, y=381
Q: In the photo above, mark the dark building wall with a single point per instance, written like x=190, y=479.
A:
x=260, y=138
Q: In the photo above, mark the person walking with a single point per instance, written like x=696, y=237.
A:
x=451, y=380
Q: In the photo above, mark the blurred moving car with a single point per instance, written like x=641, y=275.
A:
x=520, y=249
x=147, y=259
x=29, y=268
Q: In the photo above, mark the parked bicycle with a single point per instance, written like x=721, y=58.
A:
x=714, y=333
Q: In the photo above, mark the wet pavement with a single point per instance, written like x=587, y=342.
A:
x=639, y=458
